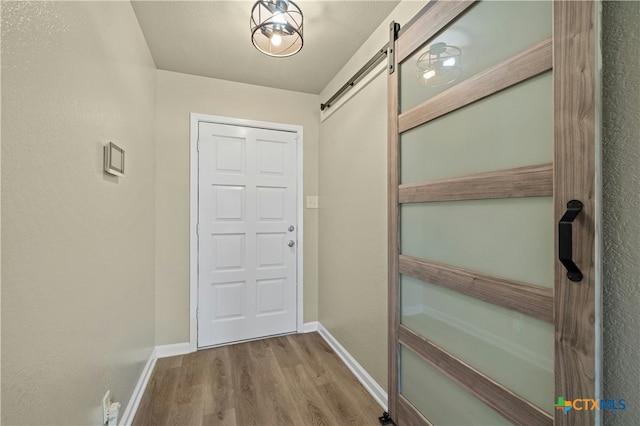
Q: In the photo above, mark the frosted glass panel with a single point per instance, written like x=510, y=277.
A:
x=509, y=238
x=489, y=33
x=512, y=128
x=439, y=399
x=513, y=349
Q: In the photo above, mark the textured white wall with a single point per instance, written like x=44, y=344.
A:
x=353, y=228
x=352, y=256
x=177, y=96
x=78, y=245
x=621, y=208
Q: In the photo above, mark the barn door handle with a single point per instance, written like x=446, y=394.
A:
x=565, y=240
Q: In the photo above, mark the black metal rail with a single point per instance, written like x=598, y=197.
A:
x=375, y=60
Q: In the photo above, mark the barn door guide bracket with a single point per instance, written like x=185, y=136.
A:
x=386, y=419
x=394, y=27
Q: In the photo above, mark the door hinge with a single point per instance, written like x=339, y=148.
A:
x=198, y=229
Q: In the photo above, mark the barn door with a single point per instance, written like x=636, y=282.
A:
x=492, y=290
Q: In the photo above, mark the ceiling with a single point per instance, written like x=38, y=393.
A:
x=212, y=39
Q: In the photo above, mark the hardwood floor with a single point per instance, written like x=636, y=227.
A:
x=287, y=380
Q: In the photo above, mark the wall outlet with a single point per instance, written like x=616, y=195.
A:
x=106, y=402
x=312, y=202
x=112, y=417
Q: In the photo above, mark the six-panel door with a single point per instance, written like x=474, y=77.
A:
x=247, y=233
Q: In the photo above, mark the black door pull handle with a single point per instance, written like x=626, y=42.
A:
x=565, y=240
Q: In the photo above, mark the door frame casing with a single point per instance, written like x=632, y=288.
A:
x=195, y=120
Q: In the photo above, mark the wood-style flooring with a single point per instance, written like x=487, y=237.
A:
x=288, y=380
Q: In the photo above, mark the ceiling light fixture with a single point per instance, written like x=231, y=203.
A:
x=276, y=27
x=439, y=66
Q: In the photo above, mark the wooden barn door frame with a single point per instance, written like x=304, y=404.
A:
x=572, y=305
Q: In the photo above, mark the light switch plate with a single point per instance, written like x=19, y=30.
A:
x=312, y=202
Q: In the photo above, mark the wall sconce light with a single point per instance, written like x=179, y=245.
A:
x=276, y=27
x=439, y=66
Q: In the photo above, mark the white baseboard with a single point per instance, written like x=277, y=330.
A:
x=158, y=352
x=361, y=374
x=164, y=351
x=310, y=327
x=138, y=391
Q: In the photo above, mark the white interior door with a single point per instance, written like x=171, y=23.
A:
x=247, y=243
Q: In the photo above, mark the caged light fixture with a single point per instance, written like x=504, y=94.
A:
x=276, y=27
x=439, y=66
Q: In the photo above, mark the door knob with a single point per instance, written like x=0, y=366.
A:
x=291, y=243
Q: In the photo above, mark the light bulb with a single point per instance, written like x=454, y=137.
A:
x=279, y=18
x=449, y=62
x=428, y=74
x=276, y=39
